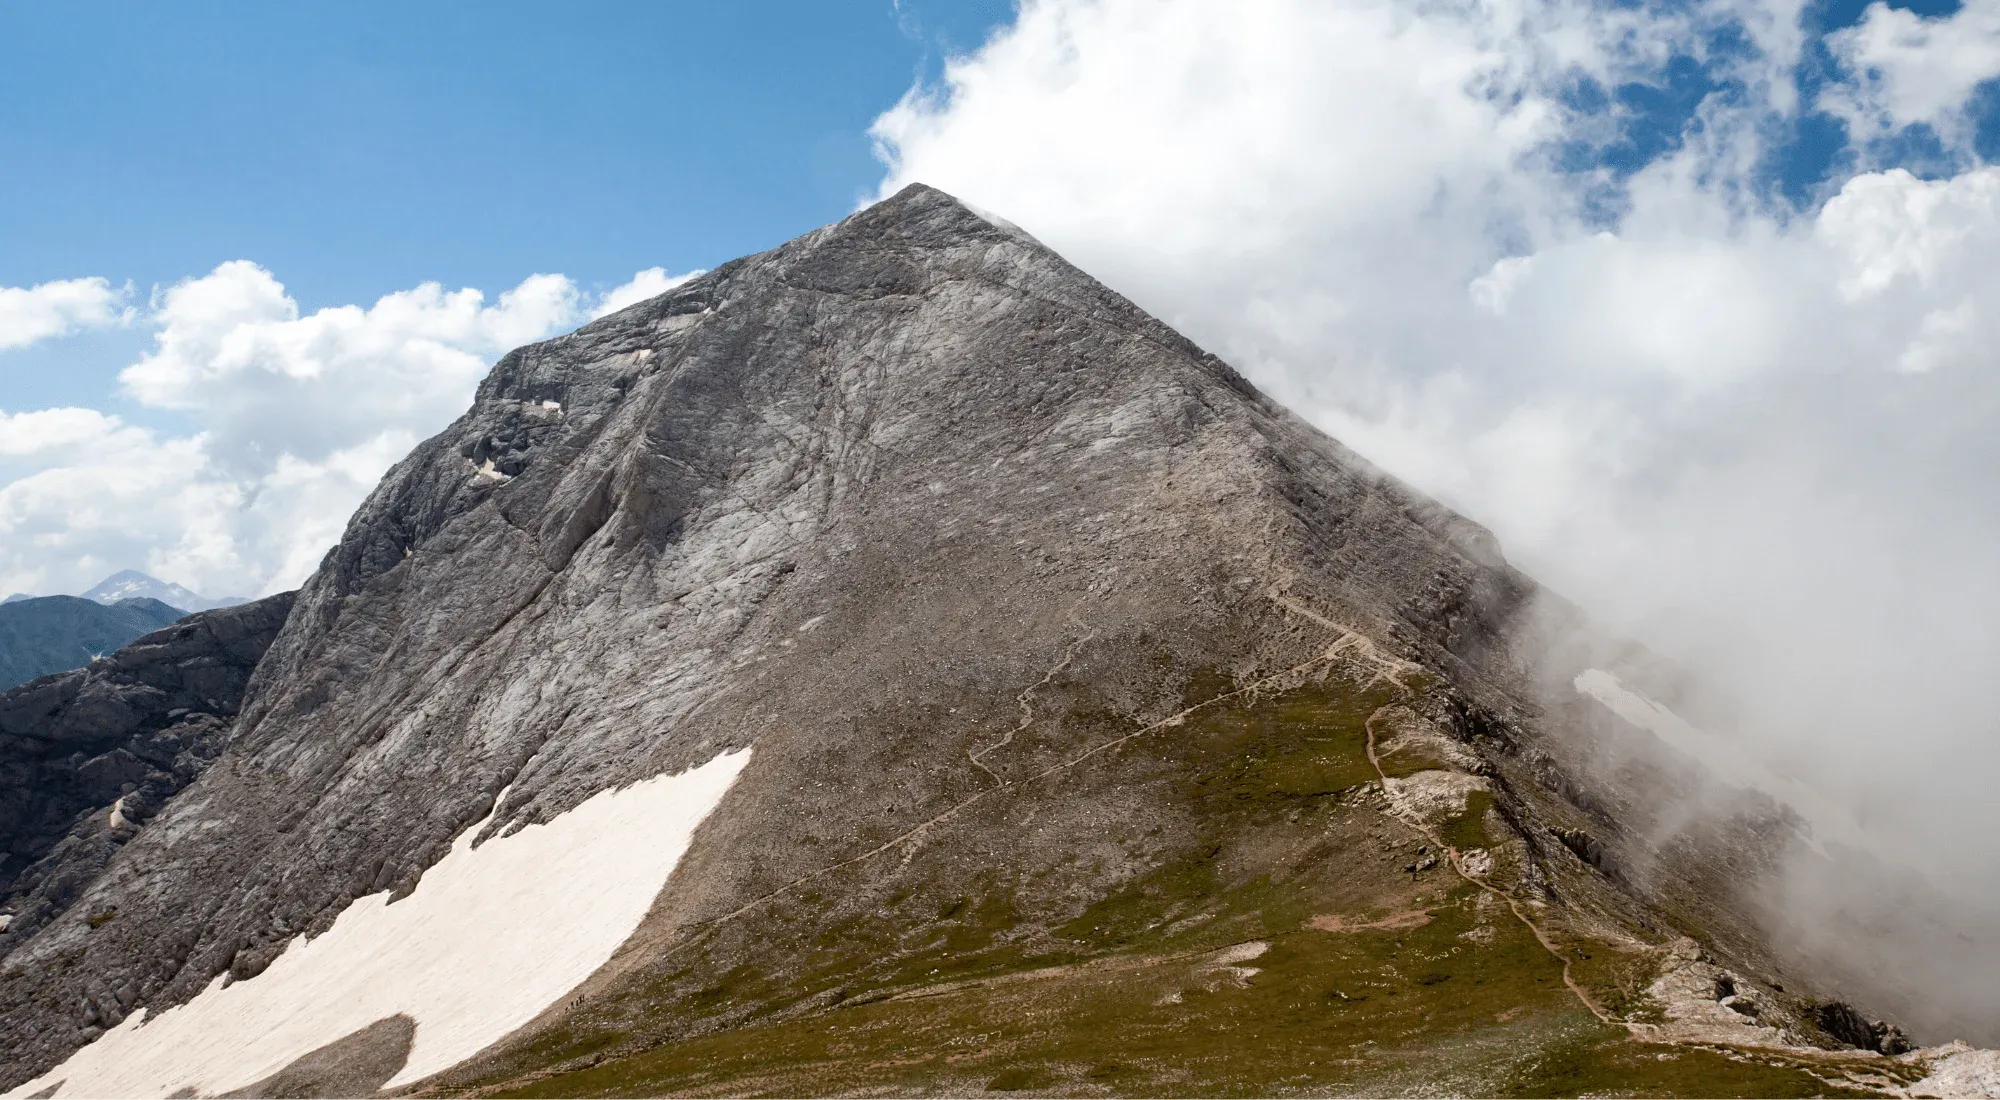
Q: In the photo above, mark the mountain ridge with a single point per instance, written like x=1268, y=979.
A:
x=41, y=635
x=89, y=755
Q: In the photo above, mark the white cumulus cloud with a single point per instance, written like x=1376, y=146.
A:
x=1911, y=69
x=650, y=283
x=46, y=310
x=296, y=416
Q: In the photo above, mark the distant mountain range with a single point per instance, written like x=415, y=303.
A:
x=45, y=634
x=130, y=584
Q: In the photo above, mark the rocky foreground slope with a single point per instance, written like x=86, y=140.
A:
x=896, y=662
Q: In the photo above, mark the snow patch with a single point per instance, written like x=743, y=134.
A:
x=490, y=938
x=1961, y=1072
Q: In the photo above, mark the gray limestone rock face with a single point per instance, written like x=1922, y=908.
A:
x=952, y=534
x=87, y=757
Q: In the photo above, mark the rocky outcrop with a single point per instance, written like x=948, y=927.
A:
x=1845, y=1022
x=87, y=757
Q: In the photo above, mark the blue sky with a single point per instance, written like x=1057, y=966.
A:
x=354, y=149
x=359, y=148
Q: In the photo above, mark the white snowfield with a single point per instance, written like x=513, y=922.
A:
x=491, y=936
x=1828, y=820
x=1962, y=1071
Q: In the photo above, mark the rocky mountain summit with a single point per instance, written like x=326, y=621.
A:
x=895, y=662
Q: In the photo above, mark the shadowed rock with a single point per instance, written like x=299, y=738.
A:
x=87, y=757
x=50, y=634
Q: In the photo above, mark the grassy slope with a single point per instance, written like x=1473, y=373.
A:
x=1150, y=990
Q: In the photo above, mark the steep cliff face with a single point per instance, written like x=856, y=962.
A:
x=88, y=756
x=1016, y=690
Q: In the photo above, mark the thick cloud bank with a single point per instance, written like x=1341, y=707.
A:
x=1746, y=417
x=297, y=417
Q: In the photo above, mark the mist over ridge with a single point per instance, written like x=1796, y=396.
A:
x=1750, y=431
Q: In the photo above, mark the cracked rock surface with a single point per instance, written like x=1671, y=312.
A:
x=88, y=756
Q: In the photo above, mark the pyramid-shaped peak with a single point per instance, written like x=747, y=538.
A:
x=920, y=200
x=1023, y=606
x=920, y=213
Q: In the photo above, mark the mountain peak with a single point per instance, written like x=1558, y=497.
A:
x=1035, y=673
x=129, y=584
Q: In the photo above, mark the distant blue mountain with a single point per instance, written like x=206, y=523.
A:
x=46, y=634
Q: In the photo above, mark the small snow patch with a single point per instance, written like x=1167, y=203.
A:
x=1961, y=1072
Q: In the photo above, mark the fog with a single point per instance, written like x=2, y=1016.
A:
x=1750, y=428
